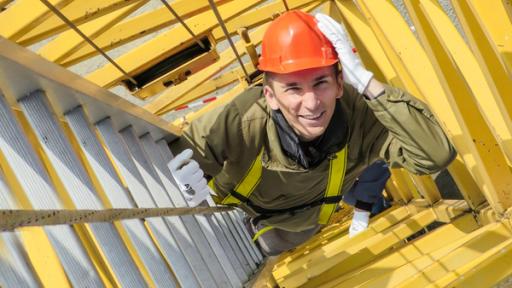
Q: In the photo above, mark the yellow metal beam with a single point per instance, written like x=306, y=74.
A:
x=426, y=187
x=496, y=71
x=335, y=233
x=466, y=183
x=220, y=101
x=485, y=271
x=4, y=3
x=164, y=44
x=330, y=263
x=174, y=97
x=296, y=259
x=25, y=15
x=365, y=40
x=139, y=26
x=490, y=102
x=78, y=12
x=405, y=77
x=470, y=251
x=402, y=187
x=490, y=165
x=259, y=15
x=493, y=15
x=376, y=59
x=444, y=239
x=218, y=82
x=144, y=24
x=386, y=19
x=69, y=41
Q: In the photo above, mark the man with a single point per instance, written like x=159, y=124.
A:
x=287, y=151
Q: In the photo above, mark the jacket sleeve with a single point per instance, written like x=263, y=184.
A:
x=209, y=138
x=414, y=139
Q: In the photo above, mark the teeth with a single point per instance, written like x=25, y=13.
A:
x=312, y=117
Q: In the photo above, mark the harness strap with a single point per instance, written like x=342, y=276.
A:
x=261, y=232
x=332, y=194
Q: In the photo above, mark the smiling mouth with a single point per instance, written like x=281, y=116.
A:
x=313, y=117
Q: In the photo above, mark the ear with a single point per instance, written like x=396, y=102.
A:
x=340, y=85
x=270, y=96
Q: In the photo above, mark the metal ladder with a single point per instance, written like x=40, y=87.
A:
x=61, y=148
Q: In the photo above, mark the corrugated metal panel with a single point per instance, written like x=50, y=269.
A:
x=41, y=194
x=118, y=197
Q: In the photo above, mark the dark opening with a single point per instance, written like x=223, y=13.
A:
x=168, y=64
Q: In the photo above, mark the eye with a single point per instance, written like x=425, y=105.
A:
x=321, y=82
x=292, y=89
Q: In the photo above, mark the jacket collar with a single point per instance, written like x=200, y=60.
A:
x=285, y=152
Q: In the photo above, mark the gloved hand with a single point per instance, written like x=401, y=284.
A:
x=359, y=222
x=189, y=177
x=353, y=71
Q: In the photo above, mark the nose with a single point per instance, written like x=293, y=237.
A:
x=310, y=100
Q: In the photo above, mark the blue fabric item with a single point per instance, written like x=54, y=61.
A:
x=369, y=185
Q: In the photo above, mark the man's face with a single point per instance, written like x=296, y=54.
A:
x=306, y=98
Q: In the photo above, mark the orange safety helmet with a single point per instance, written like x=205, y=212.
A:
x=293, y=42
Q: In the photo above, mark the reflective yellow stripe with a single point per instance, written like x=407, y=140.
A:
x=334, y=183
x=248, y=183
x=216, y=198
x=261, y=232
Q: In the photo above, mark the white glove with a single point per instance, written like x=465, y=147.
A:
x=353, y=71
x=189, y=177
x=359, y=223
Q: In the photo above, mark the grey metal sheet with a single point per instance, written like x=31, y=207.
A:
x=118, y=197
x=237, y=219
x=34, y=181
x=78, y=185
x=15, y=270
x=161, y=198
x=160, y=166
x=22, y=71
x=143, y=198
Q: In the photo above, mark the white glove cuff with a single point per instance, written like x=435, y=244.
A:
x=361, y=216
x=363, y=77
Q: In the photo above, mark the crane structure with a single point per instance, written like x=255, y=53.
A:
x=92, y=91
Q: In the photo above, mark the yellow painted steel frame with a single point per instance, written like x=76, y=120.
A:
x=164, y=44
x=4, y=3
x=492, y=160
x=460, y=121
x=137, y=27
x=12, y=26
x=497, y=70
x=337, y=263
x=377, y=54
x=177, y=96
x=221, y=101
x=488, y=98
x=78, y=12
x=180, y=74
x=69, y=41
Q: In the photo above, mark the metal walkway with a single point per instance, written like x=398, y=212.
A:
x=68, y=143
x=64, y=144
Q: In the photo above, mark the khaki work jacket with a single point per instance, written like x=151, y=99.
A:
x=396, y=127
